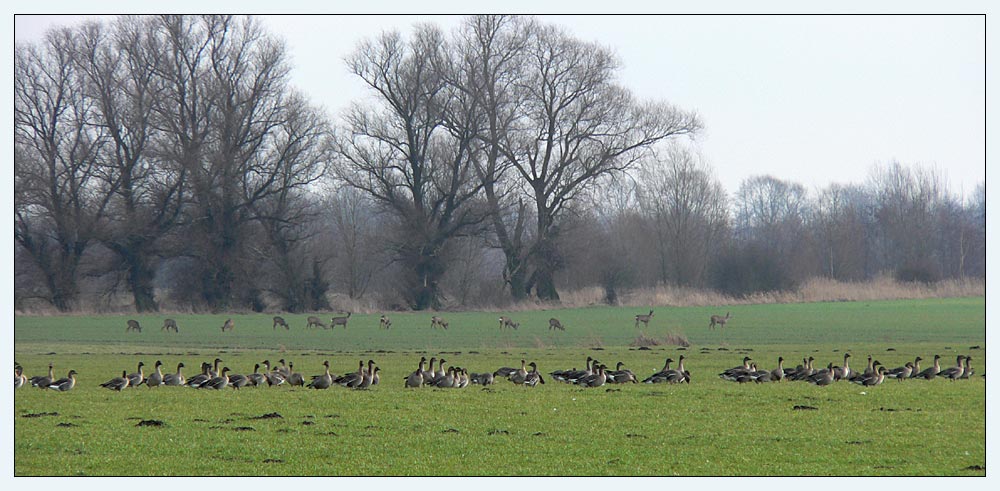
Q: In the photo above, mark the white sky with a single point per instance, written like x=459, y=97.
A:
x=811, y=99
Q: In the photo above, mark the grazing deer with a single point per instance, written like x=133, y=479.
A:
x=720, y=320
x=437, y=321
x=340, y=321
x=383, y=322
x=313, y=321
x=643, y=318
x=133, y=325
x=279, y=321
x=506, y=322
x=555, y=324
x=169, y=325
x=228, y=325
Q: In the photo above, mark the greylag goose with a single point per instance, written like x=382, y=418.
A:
x=238, y=381
x=218, y=383
x=844, y=371
x=967, y=371
x=200, y=379
x=156, y=378
x=256, y=378
x=322, y=381
x=42, y=381
x=64, y=384
x=352, y=379
x=954, y=372
x=367, y=377
x=175, y=378
x=595, y=380
x=822, y=377
x=534, y=377
x=660, y=376
x=733, y=373
x=19, y=378
x=778, y=373
x=874, y=379
x=447, y=380
x=273, y=376
x=117, y=383
x=293, y=377
x=931, y=372
x=916, y=367
x=619, y=375
x=416, y=379
x=572, y=374
x=429, y=373
x=136, y=379
x=900, y=373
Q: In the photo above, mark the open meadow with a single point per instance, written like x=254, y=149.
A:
x=709, y=427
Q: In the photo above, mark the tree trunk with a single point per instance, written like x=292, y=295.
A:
x=140, y=280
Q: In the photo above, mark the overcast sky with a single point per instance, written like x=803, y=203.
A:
x=811, y=99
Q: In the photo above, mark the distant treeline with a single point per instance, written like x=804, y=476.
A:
x=165, y=162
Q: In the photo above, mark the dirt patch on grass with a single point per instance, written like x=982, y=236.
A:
x=151, y=422
x=38, y=415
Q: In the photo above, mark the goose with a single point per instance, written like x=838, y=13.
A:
x=778, y=373
x=447, y=380
x=322, y=381
x=481, y=378
x=805, y=372
x=238, y=381
x=136, y=379
x=844, y=371
x=217, y=383
x=155, y=378
x=429, y=373
x=283, y=370
x=65, y=384
x=352, y=379
x=748, y=375
x=175, y=378
x=967, y=371
x=916, y=367
x=900, y=373
x=595, y=380
x=293, y=377
x=869, y=371
x=456, y=380
x=733, y=373
x=931, y=372
x=256, y=378
x=373, y=373
x=504, y=372
x=568, y=375
x=620, y=376
x=790, y=371
x=214, y=372
x=273, y=376
x=416, y=379
x=42, y=381
x=463, y=379
x=760, y=376
x=518, y=376
x=954, y=372
x=440, y=372
x=200, y=379
x=679, y=374
x=660, y=376
x=534, y=377
x=822, y=377
x=874, y=379
x=19, y=378
x=117, y=383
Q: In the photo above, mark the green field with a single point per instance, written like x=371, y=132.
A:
x=710, y=427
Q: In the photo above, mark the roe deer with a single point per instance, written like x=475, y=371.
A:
x=313, y=321
x=169, y=325
x=555, y=324
x=133, y=325
x=279, y=321
x=506, y=322
x=340, y=321
x=228, y=325
x=720, y=320
x=437, y=321
x=383, y=322
x=643, y=318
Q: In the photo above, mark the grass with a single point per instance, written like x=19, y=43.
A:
x=710, y=427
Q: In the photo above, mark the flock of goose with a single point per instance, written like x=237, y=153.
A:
x=875, y=373
x=596, y=374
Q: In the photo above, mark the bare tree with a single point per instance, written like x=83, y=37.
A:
x=687, y=209
x=842, y=222
x=58, y=204
x=575, y=124
x=399, y=153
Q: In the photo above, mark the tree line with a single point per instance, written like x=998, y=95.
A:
x=168, y=159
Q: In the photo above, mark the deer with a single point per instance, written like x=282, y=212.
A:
x=555, y=324
x=228, y=325
x=383, y=322
x=279, y=321
x=437, y=321
x=506, y=322
x=133, y=325
x=169, y=325
x=340, y=321
x=314, y=321
x=643, y=318
x=720, y=320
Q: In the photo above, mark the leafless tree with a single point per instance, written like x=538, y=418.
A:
x=57, y=202
x=398, y=152
x=842, y=225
